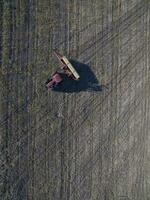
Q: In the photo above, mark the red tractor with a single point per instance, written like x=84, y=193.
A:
x=55, y=80
x=67, y=68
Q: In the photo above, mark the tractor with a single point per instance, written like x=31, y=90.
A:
x=66, y=68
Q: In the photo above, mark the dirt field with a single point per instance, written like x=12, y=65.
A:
x=86, y=140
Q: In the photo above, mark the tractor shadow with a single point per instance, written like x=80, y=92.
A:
x=87, y=81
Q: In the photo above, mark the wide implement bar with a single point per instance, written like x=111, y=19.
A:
x=71, y=68
x=65, y=62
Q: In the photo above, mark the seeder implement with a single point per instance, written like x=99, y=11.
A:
x=67, y=66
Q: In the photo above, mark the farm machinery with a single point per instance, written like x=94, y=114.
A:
x=66, y=68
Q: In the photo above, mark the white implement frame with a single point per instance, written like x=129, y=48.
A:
x=71, y=68
x=65, y=62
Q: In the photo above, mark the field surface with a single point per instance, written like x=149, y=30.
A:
x=85, y=140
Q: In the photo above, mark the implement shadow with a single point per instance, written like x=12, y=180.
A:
x=87, y=81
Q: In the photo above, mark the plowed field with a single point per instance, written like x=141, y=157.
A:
x=86, y=140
